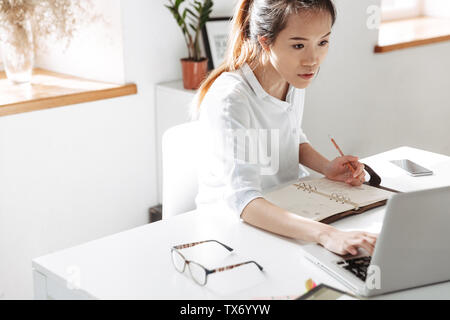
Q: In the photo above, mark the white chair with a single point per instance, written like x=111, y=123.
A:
x=179, y=166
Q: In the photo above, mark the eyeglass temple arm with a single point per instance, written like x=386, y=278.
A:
x=235, y=266
x=190, y=245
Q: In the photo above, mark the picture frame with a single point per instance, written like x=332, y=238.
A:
x=215, y=38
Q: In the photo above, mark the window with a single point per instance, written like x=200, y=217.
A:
x=409, y=23
x=95, y=53
x=401, y=9
x=96, y=47
x=1, y=59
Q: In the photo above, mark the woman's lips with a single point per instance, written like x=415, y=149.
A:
x=306, y=76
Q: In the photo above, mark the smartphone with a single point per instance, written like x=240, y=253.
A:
x=412, y=168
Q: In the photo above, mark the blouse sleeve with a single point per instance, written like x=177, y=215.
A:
x=302, y=137
x=231, y=126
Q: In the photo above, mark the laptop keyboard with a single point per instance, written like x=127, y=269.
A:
x=357, y=266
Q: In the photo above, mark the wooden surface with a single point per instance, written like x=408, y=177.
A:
x=49, y=90
x=400, y=34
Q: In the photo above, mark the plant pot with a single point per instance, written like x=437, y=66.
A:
x=194, y=72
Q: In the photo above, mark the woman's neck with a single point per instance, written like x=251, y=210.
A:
x=271, y=81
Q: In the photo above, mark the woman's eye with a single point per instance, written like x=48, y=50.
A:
x=324, y=43
x=298, y=46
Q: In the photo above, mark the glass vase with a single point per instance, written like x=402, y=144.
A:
x=18, y=51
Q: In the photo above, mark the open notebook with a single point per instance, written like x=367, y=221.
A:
x=326, y=200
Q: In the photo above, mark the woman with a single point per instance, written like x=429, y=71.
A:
x=257, y=94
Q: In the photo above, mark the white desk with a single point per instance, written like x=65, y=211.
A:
x=136, y=264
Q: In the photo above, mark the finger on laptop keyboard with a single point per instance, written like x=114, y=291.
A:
x=371, y=240
x=352, y=250
x=363, y=243
x=372, y=235
x=368, y=247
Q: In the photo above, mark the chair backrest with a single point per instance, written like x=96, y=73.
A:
x=179, y=165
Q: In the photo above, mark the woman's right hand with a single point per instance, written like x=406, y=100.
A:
x=342, y=242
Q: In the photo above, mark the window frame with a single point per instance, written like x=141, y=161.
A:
x=399, y=13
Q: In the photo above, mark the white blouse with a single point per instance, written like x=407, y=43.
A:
x=250, y=140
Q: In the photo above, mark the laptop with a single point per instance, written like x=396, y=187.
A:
x=412, y=250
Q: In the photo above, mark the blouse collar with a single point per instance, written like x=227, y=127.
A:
x=259, y=90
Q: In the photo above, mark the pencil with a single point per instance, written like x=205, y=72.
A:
x=342, y=154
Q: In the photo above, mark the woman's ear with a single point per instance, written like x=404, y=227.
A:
x=263, y=42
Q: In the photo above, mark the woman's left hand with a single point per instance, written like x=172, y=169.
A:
x=337, y=170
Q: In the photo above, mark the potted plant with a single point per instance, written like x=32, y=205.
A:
x=191, y=22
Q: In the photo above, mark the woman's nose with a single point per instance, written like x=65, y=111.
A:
x=310, y=59
x=310, y=62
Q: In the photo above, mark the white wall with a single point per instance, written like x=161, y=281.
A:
x=373, y=102
x=77, y=173
x=67, y=176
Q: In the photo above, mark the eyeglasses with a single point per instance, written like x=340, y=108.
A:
x=198, y=272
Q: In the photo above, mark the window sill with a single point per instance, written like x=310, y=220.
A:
x=50, y=90
x=401, y=34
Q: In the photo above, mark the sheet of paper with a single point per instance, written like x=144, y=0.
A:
x=309, y=205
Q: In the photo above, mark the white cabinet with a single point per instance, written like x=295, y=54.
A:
x=172, y=108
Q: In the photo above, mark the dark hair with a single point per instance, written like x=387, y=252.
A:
x=253, y=18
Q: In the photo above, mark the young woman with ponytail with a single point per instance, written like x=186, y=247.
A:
x=275, y=49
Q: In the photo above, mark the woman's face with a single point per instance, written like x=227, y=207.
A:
x=301, y=47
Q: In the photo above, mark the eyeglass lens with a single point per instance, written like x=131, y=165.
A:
x=178, y=261
x=198, y=273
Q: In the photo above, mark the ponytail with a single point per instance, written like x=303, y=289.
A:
x=239, y=51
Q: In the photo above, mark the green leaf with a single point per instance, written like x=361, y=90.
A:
x=193, y=18
x=192, y=13
x=194, y=28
